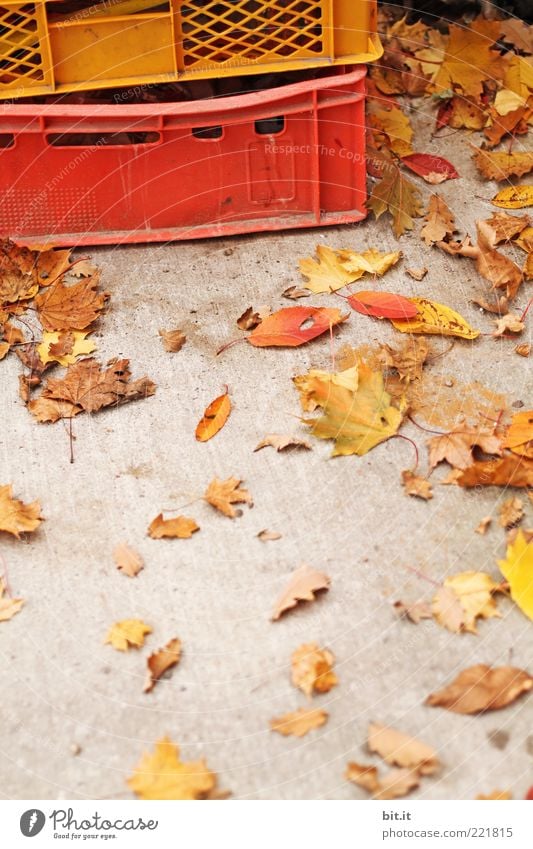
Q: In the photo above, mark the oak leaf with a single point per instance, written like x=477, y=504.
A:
x=160, y=662
x=73, y=307
x=129, y=633
x=312, y=669
x=510, y=470
x=162, y=775
x=282, y=442
x=435, y=319
x=127, y=561
x=397, y=196
x=293, y=326
x=395, y=784
x=440, y=221
x=464, y=598
x=8, y=606
x=304, y=583
x=399, y=749
x=456, y=447
x=181, y=527
x=514, y=197
x=214, y=418
x=480, y=688
x=416, y=486
x=500, y=166
x=173, y=340
x=17, y=518
x=517, y=569
x=298, y=724
x=222, y=495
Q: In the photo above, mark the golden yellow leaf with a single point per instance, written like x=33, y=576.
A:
x=160, y=662
x=223, y=494
x=128, y=561
x=393, y=130
x=514, y=197
x=181, y=527
x=297, y=724
x=500, y=166
x=467, y=597
x=399, y=749
x=8, y=606
x=303, y=584
x=357, y=420
x=78, y=347
x=369, y=262
x=162, y=775
x=435, y=319
x=517, y=569
x=17, y=518
x=312, y=669
x=481, y=688
x=469, y=60
x=519, y=436
x=129, y=633
x=328, y=274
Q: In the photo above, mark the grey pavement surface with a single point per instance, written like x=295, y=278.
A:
x=62, y=688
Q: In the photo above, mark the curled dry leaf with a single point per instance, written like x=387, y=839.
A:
x=282, y=442
x=173, y=340
x=510, y=470
x=511, y=513
x=249, y=319
x=214, y=418
x=299, y=723
x=398, y=749
x=395, y=784
x=456, y=447
x=505, y=227
x=416, y=486
x=268, y=536
x=303, y=584
x=127, y=561
x=293, y=326
x=312, y=669
x=510, y=323
x=73, y=307
x=162, y=775
x=493, y=265
x=181, y=527
x=463, y=599
x=501, y=166
x=484, y=525
x=517, y=569
x=435, y=319
x=481, y=688
x=160, y=662
x=440, y=222
x=523, y=350
x=417, y=273
x=8, y=606
x=129, y=633
x=17, y=518
x=222, y=495
x=293, y=293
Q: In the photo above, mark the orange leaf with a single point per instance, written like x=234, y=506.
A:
x=383, y=305
x=160, y=662
x=285, y=328
x=214, y=418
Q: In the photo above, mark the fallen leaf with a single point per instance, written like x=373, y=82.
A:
x=505, y=227
x=435, y=319
x=64, y=347
x=519, y=435
x=517, y=33
x=73, y=307
x=268, y=536
x=501, y=795
x=408, y=360
x=525, y=239
x=181, y=527
x=417, y=273
x=8, y=606
x=493, y=265
x=282, y=442
x=127, y=634
x=510, y=470
x=383, y=305
x=456, y=447
x=304, y=583
x=510, y=323
x=326, y=275
x=392, y=130
x=214, y=418
x=484, y=525
x=312, y=669
x=397, y=196
x=501, y=166
x=480, y=688
x=127, y=561
x=433, y=169
x=517, y=569
x=511, y=513
x=293, y=326
x=398, y=749
x=163, y=776
x=306, y=384
x=469, y=59
x=416, y=486
x=296, y=292
x=357, y=420
x=223, y=494
x=298, y=724
x=523, y=350
x=87, y=387
x=371, y=262
x=415, y=611
x=249, y=319
x=396, y=784
x=160, y=662
x=463, y=599
x=499, y=307
x=514, y=197
x=17, y=518
x=173, y=340
x=440, y=221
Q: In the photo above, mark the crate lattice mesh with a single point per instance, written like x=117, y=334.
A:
x=20, y=56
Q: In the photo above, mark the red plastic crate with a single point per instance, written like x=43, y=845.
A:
x=281, y=158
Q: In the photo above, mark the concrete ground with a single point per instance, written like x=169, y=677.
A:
x=74, y=719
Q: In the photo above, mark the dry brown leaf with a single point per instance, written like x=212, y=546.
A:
x=456, y=447
x=510, y=470
x=312, y=669
x=396, y=195
x=408, y=360
x=297, y=724
x=511, y=513
x=395, y=784
x=281, y=442
x=129, y=633
x=523, y=350
x=505, y=227
x=267, y=536
x=484, y=525
x=74, y=307
x=163, y=776
x=498, y=269
x=127, y=561
x=160, y=662
x=295, y=292
x=510, y=323
x=415, y=611
x=181, y=527
x=417, y=273
x=173, y=340
x=440, y=221
x=303, y=584
x=499, y=307
x=481, y=688
x=251, y=318
x=398, y=749
x=501, y=165
x=223, y=494
x=416, y=486
x=517, y=33
x=8, y=606
x=87, y=387
x=17, y=518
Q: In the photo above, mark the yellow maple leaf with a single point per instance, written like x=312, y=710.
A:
x=328, y=274
x=129, y=633
x=357, y=419
x=435, y=319
x=79, y=347
x=394, y=128
x=162, y=775
x=469, y=60
x=370, y=261
x=8, y=606
x=469, y=596
x=519, y=436
x=17, y=518
x=517, y=569
x=306, y=384
x=519, y=75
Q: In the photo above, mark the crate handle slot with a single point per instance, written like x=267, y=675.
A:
x=270, y=126
x=7, y=140
x=123, y=139
x=208, y=133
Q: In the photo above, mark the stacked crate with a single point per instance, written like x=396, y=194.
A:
x=289, y=155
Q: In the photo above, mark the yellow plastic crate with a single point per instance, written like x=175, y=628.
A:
x=43, y=50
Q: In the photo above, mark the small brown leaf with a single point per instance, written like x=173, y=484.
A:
x=180, y=527
x=484, y=525
x=303, y=585
x=510, y=323
x=281, y=442
x=127, y=560
x=173, y=340
x=295, y=292
x=511, y=513
x=440, y=222
x=456, y=447
x=160, y=662
x=223, y=494
x=417, y=273
x=312, y=669
x=523, y=350
x=8, y=606
x=267, y=536
x=398, y=749
x=395, y=784
x=416, y=611
x=297, y=724
x=249, y=319
x=481, y=688
x=416, y=486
